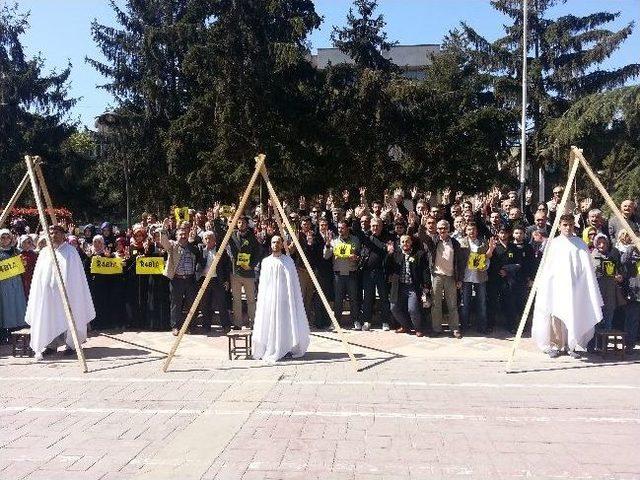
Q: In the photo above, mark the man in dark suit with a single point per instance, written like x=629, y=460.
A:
x=215, y=296
x=410, y=279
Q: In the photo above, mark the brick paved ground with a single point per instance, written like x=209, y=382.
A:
x=423, y=409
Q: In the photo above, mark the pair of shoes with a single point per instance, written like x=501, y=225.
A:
x=574, y=354
x=401, y=330
x=457, y=334
x=366, y=327
x=175, y=332
x=419, y=334
x=385, y=327
x=357, y=326
x=554, y=353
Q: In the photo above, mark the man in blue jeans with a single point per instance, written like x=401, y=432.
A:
x=476, y=253
x=411, y=278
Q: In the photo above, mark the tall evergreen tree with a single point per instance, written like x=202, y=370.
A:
x=144, y=62
x=363, y=39
x=34, y=109
x=360, y=112
x=255, y=91
x=454, y=131
x=565, y=61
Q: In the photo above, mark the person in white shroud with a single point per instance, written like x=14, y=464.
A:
x=45, y=309
x=280, y=325
x=568, y=301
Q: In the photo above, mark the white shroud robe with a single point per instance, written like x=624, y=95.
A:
x=280, y=324
x=568, y=290
x=45, y=310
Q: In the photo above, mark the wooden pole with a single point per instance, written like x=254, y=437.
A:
x=559, y=212
x=61, y=287
x=607, y=198
x=296, y=241
x=45, y=190
x=230, y=229
x=14, y=198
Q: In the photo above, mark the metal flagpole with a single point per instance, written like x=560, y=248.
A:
x=523, y=121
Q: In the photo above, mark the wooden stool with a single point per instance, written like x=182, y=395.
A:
x=608, y=341
x=20, y=343
x=239, y=344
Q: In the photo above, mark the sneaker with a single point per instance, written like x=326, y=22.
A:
x=385, y=327
x=554, y=353
x=357, y=326
x=574, y=354
x=175, y=332
x=366, y=326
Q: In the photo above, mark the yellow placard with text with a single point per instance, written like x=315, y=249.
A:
x=149, y=266
x=11, y=267
x=243, y=259
x=106, y=265
x=608, y=268
x=181, y=214
x=227, y=211
x=342, y=250
x=477, y=261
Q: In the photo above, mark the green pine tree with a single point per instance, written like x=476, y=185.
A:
x=565, y=58
x=34, y=110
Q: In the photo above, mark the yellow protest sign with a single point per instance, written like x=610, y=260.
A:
x=243, y=259
x=149, y=266
x=608, y=268
x=477, y=261
x=105, y=265
x=227, y=211
x=342, y=250
x=11, y=267
x=181, y=214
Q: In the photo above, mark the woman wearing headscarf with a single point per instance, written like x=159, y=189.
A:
x=106, y=290
x=12, y=299
x=88, y=232
x=137, y=285
x=29, y=258
x=106, y=230
x=158, y=304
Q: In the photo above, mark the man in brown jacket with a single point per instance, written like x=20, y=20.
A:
x=180, y=268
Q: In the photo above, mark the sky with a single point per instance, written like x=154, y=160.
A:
x=60, y=31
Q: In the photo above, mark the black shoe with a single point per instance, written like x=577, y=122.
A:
x=49, y=351
x=68, y=352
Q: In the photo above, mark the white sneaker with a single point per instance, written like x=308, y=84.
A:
x=38, y=357
x=385, y=327
x=357, y=326
x=366, y=327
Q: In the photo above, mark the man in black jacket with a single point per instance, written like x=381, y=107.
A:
x=215, y=295
x=373, y=254
x=245, y=253
x=410, y=272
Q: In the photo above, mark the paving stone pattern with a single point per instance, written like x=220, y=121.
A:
x=420, y=409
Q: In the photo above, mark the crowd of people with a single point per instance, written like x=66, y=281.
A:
x=410, y=262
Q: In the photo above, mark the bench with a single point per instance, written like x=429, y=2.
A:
x=611, y=341
x=20, y=343
x=239, y=344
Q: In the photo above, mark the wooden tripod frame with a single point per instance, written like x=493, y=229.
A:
x=260, y=169
x=576, y=158
x=38, y=186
